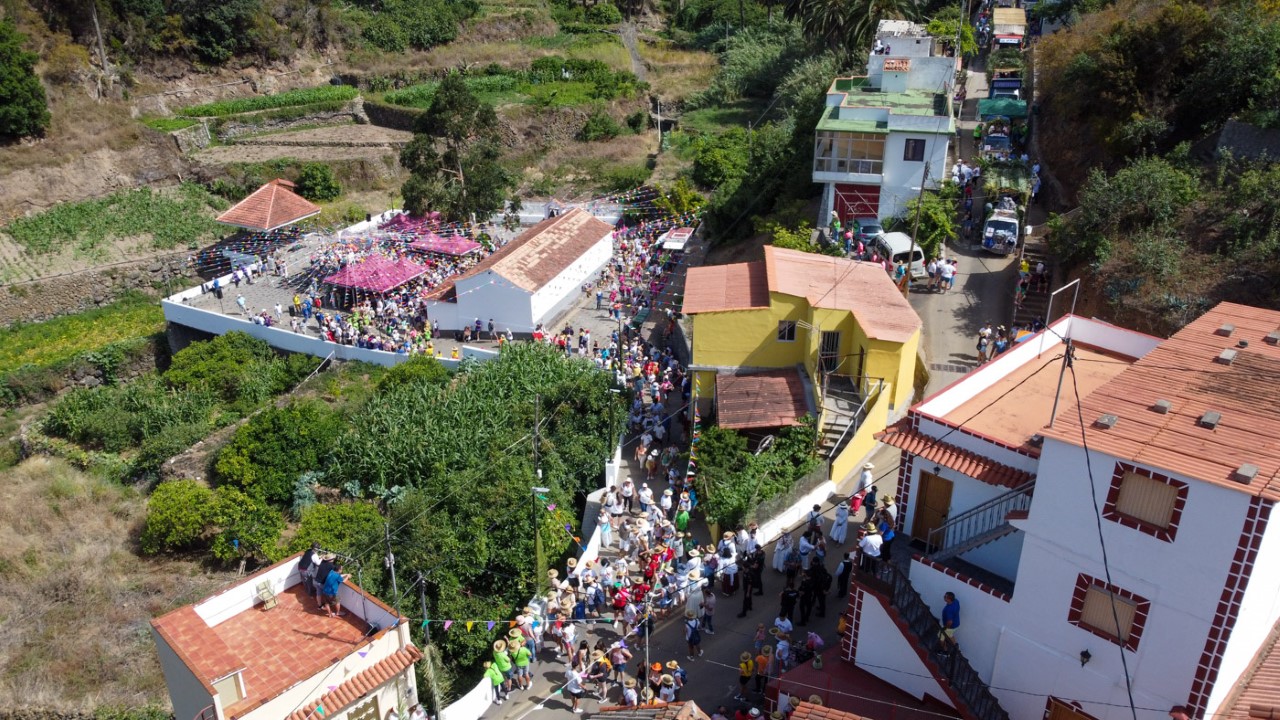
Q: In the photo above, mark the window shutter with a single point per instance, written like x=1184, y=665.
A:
x=1146, y=499
x=1097, y=612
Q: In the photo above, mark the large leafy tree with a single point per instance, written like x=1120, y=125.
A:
x=845, y=26
x=23, y=110
x=453, y=159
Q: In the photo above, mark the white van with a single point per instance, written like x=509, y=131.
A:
x=897, y=246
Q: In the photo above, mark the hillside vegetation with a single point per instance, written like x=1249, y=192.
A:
x=1132, y=99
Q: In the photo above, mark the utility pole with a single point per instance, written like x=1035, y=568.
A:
x=426, y=646
x=391, y=558
x=540, y=562
x=919, y=207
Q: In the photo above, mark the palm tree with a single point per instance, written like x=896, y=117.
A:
x=846, y=26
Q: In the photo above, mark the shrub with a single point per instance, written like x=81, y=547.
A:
x=266, y=455
x=318, y=182
x=346, y=527
x=599, y=126
x=604, y=13
x=638, y=121
x=245, y=528
x=23, y=108
x=418, y=369
x=230, y=365
x=178, y=513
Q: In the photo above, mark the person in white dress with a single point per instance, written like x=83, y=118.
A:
x=780, y=552
x=840, y=528
x=727, y=551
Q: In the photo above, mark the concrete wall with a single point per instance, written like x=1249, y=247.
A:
x=902, y=178
x=565, y=289
x=52, y=296
x=885, y=652
x=188, y=695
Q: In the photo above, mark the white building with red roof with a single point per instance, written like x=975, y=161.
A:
x=1013, y=479
x=261, y=650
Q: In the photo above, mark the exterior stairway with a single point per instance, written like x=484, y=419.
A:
x=844, y=412
x=980, y=525
x=1034, y=249
x=970, y=694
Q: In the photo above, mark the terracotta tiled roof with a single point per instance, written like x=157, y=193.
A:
x=1256, y=693
x=271, y=206
x=809, y=711
x=687, y=710
x=1186, y=370
x=273, y=649
x=717, y=288
x=839, y=284
x=774, y=398
x=900, y=435
x=897, y=64
x=363, y=683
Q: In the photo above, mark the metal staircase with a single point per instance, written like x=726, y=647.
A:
x=845, y=410
x=968, y=688
x=980, y=525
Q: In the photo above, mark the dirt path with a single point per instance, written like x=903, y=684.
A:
x=627, y=31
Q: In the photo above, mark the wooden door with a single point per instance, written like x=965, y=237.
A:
x=933, y=505
x=1059, y=710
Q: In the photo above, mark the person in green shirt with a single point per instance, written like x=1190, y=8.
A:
x=495, y=679
x=682, y=520
x=523, y=659
x=502, y=661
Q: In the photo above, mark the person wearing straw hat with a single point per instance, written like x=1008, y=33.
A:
x=494, y=676
x=762, y=659
x=598, y=671
x=727, y=563
x=692, y=634
x=521, y=659
x=869, y=542
x=677, y=672
x=667, y=689
x=889, y=507
x=502, y=661
x=746, y=671
x=630, y=697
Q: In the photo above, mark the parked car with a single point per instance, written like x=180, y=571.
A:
x=898, y=246
x=866, y=229
x=1000, y=234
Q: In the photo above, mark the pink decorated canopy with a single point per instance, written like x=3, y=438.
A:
x=376, y=274
x=457, y=245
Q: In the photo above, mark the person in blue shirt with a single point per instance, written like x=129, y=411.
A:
x=329, y=591
x=887, y=535
x=950, y=622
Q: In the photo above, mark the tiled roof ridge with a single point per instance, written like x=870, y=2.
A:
x=901, y=435
x=360, y=685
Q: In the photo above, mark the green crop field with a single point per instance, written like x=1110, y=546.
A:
x=308, y=96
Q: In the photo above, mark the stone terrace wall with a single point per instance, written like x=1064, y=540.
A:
x=57, y=295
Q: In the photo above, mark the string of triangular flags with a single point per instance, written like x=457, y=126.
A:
x=568, y=527
x=489, y=625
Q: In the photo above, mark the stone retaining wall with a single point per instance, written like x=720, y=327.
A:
x=65, y=294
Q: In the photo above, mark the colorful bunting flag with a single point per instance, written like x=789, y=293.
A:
x=448, y=624
x=320, y=710
x=491, y=624
x=469, y=624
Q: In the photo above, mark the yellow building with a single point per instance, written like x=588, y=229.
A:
x=841, y=326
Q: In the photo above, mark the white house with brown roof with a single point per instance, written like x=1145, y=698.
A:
x=1004, y=496
x=532, y=280
x=261, y=650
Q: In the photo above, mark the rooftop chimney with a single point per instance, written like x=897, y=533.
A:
x=1107, y=421
x=1226, y=357
x=1210, y=419
x=1245, y=473
x=1272, y=338
x=1162, y=406
x=1225, y=330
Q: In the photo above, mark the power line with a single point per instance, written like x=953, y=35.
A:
x=1097, y=515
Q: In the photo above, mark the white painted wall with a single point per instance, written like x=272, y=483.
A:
x=565, y=289
x=901, y=180
x=1258, y=614
x=1001, y=556
x=981, y=615
x=884, y=652
x=188, y=695
x=485, y=296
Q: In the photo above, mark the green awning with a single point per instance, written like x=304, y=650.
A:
x=1007, y=107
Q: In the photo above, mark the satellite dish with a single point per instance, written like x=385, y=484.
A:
x=765, y=443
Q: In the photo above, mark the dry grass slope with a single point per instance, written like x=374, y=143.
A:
x=75, y=598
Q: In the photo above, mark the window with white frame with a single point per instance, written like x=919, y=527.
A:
x=786, y=331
